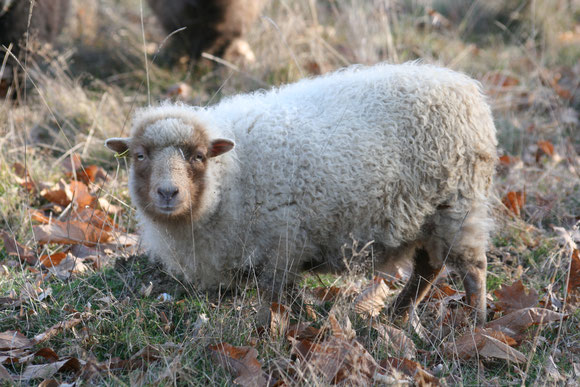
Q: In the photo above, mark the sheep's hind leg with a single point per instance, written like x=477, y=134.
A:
x=418, y=285
x=474, y=282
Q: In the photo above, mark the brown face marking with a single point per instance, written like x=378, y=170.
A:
x=183, y=162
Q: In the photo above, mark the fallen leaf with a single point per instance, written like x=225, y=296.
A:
x=514, y=297
x=327, y=293
x=5, y=375
x=81, y=195
x=45, y=371
x=441, y=291
x=409, y=368
x=396, y=340
x=515, y=323
x=547, y=147
x=38, y=216
x=507, y=160
x=98, y=219
x=139, y=360
x=89, y=174
x=372, y=299
x=302, y=331
x=71, y=232
x=58, y=194
x=15, y=249
x=75, y=320
x=23, y=177
x=10, y=340
x=338, y=359
x=51, y=260
x=482, y=343
x=108, y=207
x=68, y=266
x=514, y=201
x=279, y=319
x=574, y=274
x=240, y=361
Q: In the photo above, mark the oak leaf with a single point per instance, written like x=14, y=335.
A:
x=514, y=297
x=240, y=361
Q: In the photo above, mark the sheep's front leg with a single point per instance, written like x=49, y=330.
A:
x=418, y=285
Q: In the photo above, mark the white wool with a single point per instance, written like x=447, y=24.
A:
x=375, y=152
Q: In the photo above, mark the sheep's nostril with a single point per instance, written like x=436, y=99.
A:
x=168, y=194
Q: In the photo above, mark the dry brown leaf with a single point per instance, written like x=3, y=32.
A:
x=75, y=320
x=71, y=232
x=482, y=343
x=302, y=331
x=279, y=319
x=15, y=249
x=58, y=194
x=10, y=340
x=50, y=260
x=139, y=360
x=574, y=274
x=441, y=291
x=396, y=340
x=240, y=361
x=337, y=360
x=514, y=201
x=108, y=207
x=89, y=174
x=6, y=376
x=45, y=371
x=507, y=160
x=547, y=147
x=514, y=324
x=409, y=368
x=372, y=299
x=98, y=219
x=38, y=216
x=346, y=332
x=81, y=195
x=23, y=178
x=514, y=297
x=327, y=293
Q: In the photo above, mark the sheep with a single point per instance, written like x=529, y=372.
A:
x=276, y=181
x=215, y=26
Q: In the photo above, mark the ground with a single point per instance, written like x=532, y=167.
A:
x=98, y=312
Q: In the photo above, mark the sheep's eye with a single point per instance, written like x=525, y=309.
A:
x=140, y=156
x=199, y=156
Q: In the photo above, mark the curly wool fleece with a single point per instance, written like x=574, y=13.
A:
x=399, y=154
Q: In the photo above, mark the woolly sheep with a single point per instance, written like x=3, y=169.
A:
x=216, y=26
x=399, y=154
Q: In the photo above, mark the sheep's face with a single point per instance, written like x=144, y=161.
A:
x=169, y=162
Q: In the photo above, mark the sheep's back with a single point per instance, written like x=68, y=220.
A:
x=372, y=151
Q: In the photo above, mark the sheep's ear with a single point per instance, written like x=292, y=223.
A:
x=118, y=144
x=220, y=146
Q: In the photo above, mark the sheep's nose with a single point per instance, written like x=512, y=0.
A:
x=167, y=193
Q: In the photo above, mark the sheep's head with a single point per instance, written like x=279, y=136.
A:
x=169, y=163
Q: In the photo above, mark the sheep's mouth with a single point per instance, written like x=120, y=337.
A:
x=167, y=210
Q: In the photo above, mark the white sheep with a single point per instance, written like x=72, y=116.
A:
x=400, y=154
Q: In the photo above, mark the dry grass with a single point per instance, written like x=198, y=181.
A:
x=85, y=90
